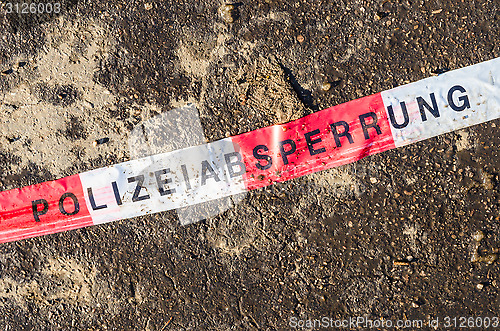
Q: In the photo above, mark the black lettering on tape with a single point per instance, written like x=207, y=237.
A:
x=404, y=110
x=366, y=126
x=284, y=153
x=464, y=98
x=262, y=157
x=186, y=176
x=205, y=166
x=75, y=203
x=162, y=182
x=92, y=200
x=37, y=213
x=345, y=133
x=311, y=142
x=140, y=180
x=423, y=104
x=116, y=193
x=237, y=162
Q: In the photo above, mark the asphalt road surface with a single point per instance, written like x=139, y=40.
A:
x=408, y=234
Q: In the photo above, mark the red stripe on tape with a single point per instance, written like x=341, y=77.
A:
x=334, y=136
x=41, y=209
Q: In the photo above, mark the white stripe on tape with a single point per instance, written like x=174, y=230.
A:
x=442, y=104
x=162, y=182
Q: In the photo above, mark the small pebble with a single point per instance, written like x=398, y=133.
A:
x=489, y=259
x=373, y=180
x=300, y=38
x=479, y=286
x=100, y=141
x=401, y=263
x=478, y=236
x=7, y=72
x=228, y=13
x=326, y=86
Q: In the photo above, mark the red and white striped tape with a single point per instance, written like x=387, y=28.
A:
x=329, y=138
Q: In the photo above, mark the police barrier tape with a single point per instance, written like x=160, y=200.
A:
x=329, y=138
